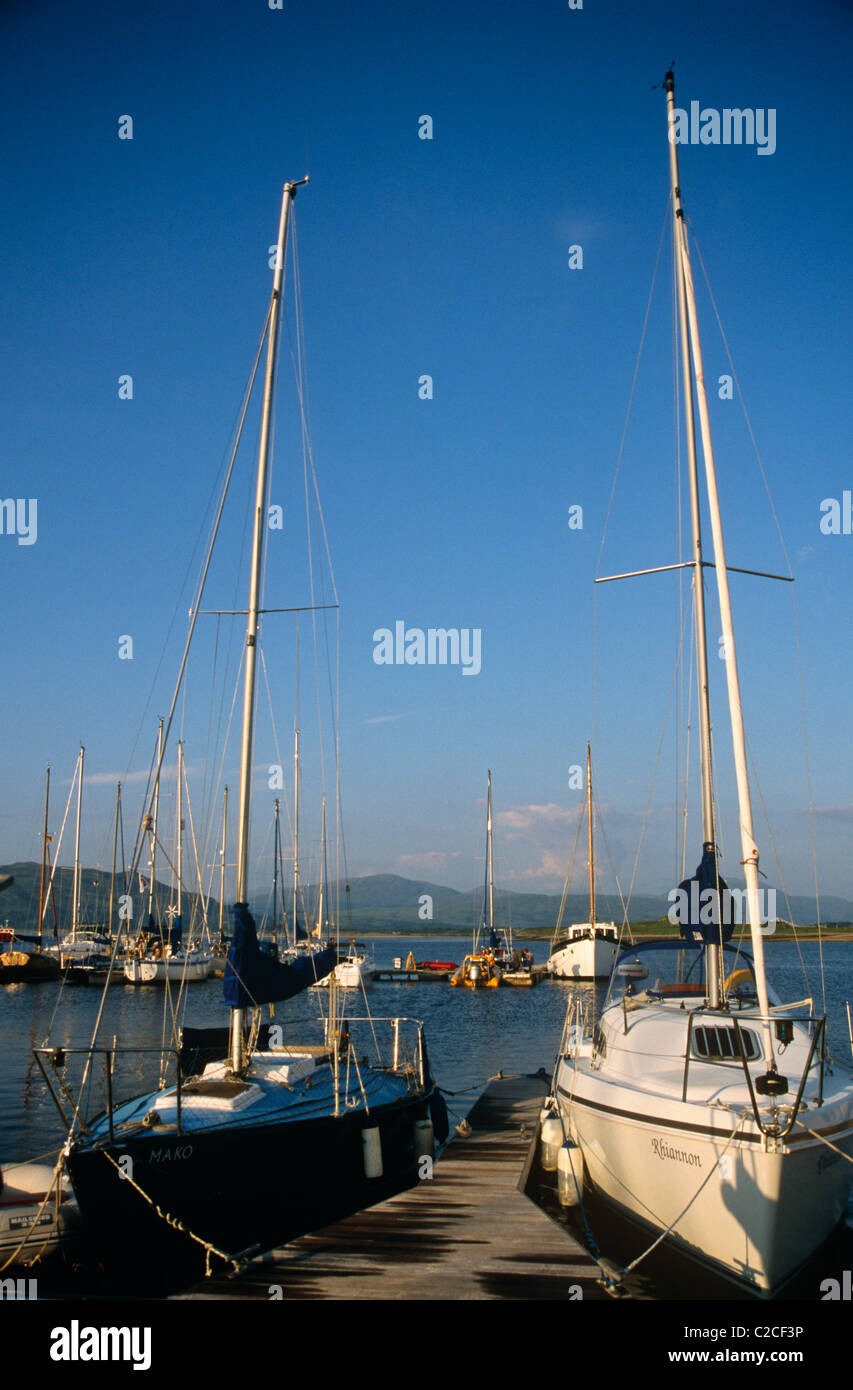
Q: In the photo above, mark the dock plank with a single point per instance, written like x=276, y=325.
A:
x=467, y=1233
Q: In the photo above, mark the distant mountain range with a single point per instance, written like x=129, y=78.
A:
x=377, y=902
x=388, y=902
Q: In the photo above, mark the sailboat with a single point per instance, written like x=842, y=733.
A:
x=490, y=962
x=170, y=960
x=356, y=969
x=17, y=966
x=587, y=950
x=270, y=1139
x=704, y=1109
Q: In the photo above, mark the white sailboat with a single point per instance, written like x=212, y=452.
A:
x=585, y=950
x=171, y=961
x=483, y=968
x=704, y=1108
x=356, y=969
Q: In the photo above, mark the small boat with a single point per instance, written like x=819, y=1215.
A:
x=519, y=973
x=38, y=1213
x=484, y=967
x=354, y=970
x=586, y=950
x=93, y=970
x=189, y=967
x=24, y=967
x=168, y=960
x=477, y=971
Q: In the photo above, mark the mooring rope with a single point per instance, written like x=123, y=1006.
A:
x=207, y=1246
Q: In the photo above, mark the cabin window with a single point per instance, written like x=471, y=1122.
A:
x=721, y=1044
x=599, y=1042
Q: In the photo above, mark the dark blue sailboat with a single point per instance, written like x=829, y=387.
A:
x=230, y=1162
x=260, y=1140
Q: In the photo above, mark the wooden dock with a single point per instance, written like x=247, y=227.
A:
x=467, y=1233
x=409, y=977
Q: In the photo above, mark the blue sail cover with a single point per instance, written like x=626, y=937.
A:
x=700, y=899
x=252, y=977
x=176, y=932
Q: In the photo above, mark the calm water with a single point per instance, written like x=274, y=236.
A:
x=470, y=1034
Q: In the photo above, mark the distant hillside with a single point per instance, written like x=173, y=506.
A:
x=377, y=902
x=19, y=904
x=388, y=902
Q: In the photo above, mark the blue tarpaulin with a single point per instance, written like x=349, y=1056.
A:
x=252, y=977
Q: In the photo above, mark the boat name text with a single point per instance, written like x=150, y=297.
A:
x=665, y=1150
x=164, y=1155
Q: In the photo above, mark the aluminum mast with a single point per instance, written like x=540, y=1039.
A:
x=252, y=624
x=748, y=845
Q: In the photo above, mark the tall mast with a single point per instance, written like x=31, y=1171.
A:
x=222, y=862
x=252, y=623
x=75, y=904
x=334, y=1030
x=275, y=869
x=153, y=822
x=115, y=856
x=590, y=838
x=679, y=233
x=748, y=845
x=490, y=864
x=180, y=822
x=43, y=853
x=323, y=884
x=295, y=834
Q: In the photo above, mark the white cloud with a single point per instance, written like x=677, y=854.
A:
x=530, y=817
x=552, y=866
x=428, y=859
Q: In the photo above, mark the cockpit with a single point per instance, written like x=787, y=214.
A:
x=674, y=970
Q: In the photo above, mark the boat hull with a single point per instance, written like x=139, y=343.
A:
x=22, y=967
x=243, y=1190
x=32, y=1225
x=156, y=972
x=759, y=1216
x=583, y=960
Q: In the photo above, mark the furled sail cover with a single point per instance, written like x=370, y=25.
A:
x=699, y=900
x=251, y=977
x=176, y=931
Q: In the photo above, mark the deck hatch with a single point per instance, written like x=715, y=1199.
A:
x=715, y=1043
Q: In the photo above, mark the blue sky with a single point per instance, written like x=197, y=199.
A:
x=446, y=257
